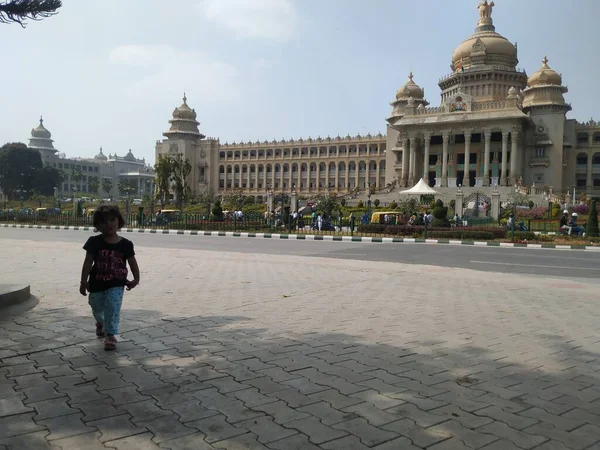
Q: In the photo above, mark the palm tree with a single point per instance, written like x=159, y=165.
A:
x=107, y=185
x=77, y=177
x=93, y=185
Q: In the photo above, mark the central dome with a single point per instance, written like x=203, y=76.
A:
x=485, y=47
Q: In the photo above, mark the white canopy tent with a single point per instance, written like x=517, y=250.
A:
x=420, y=188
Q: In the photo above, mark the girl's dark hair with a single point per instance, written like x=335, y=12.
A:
x=107, y=212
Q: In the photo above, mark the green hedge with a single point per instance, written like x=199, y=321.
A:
x=444, y=232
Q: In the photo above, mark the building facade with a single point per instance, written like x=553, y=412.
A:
x=495, y=128
x=80, y=174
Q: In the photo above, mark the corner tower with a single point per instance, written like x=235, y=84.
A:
x=544, y=101
x=41, y=140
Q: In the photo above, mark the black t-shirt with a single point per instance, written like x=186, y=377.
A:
x=110, y=262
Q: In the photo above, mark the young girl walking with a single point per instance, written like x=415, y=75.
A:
x=104, y=272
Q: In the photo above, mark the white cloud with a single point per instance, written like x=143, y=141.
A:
x=265, y=19
x=166, y=71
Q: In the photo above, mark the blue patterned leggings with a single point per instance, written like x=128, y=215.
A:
x=106, y=307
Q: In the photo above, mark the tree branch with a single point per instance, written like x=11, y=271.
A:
x=19, y=11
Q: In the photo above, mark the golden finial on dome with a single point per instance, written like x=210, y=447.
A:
x=184, y=98
x=410, y=76
x=545, y=60
x=41, y=120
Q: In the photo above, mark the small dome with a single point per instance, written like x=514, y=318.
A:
x=129, y=157
x=41, y=131
x=101, y=156
x=410, y=89
x=184, y=111
x=545, y=76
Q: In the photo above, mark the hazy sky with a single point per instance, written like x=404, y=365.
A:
x=110, y=72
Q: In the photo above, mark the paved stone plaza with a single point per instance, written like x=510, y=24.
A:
x=253, y=351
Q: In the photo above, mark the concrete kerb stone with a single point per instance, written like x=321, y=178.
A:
x=316, y=237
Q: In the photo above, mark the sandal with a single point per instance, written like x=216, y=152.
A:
x=100, y=330
x=110, y=343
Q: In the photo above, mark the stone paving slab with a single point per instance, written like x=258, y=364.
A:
x=231, y=351
x=320, y=237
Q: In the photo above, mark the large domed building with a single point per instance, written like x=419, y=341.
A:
x=495, y=129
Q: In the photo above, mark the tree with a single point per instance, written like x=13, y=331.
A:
x=518, y=199
x=46, y=179
x=181, y=168
x=591, y=229
x=93, y=185
x=235, y=199
x=162, y=173
x=77, y=176
x=217, y=211
x=127, y=186
x=18, y=168
x=107, y=185
x=19, y=11
x=440, y=215
x=407, y=206
x=327, y=203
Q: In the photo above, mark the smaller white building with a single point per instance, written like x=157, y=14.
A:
x=107, y=172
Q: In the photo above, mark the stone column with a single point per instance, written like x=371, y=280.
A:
x=357, y=174
x=269, y=202
x=427, y=142
x=466, y=177
x=458, y=207
x=514, y=157
x=404, y=174
x=293, y=201
x=413, y=159
x=337, y=175
x=318, y=163
x=589, y=179
x=445, y=138
x=486, y=160
x=503, y=174
x=495, y=207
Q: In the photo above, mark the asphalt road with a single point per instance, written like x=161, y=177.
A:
x=543, y=262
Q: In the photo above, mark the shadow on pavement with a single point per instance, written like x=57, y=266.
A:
x=226, y=382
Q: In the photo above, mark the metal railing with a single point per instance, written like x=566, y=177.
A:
x=199, y=222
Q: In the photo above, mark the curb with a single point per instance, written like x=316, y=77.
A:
x=313, y=237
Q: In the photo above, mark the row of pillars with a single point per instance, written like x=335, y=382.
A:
x=409, y=155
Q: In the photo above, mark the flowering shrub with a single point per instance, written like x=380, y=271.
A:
x=581, y=208
x=536, y=213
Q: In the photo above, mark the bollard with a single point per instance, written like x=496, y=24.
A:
x=235, y=222
x=425, y=234
x=352, y=226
